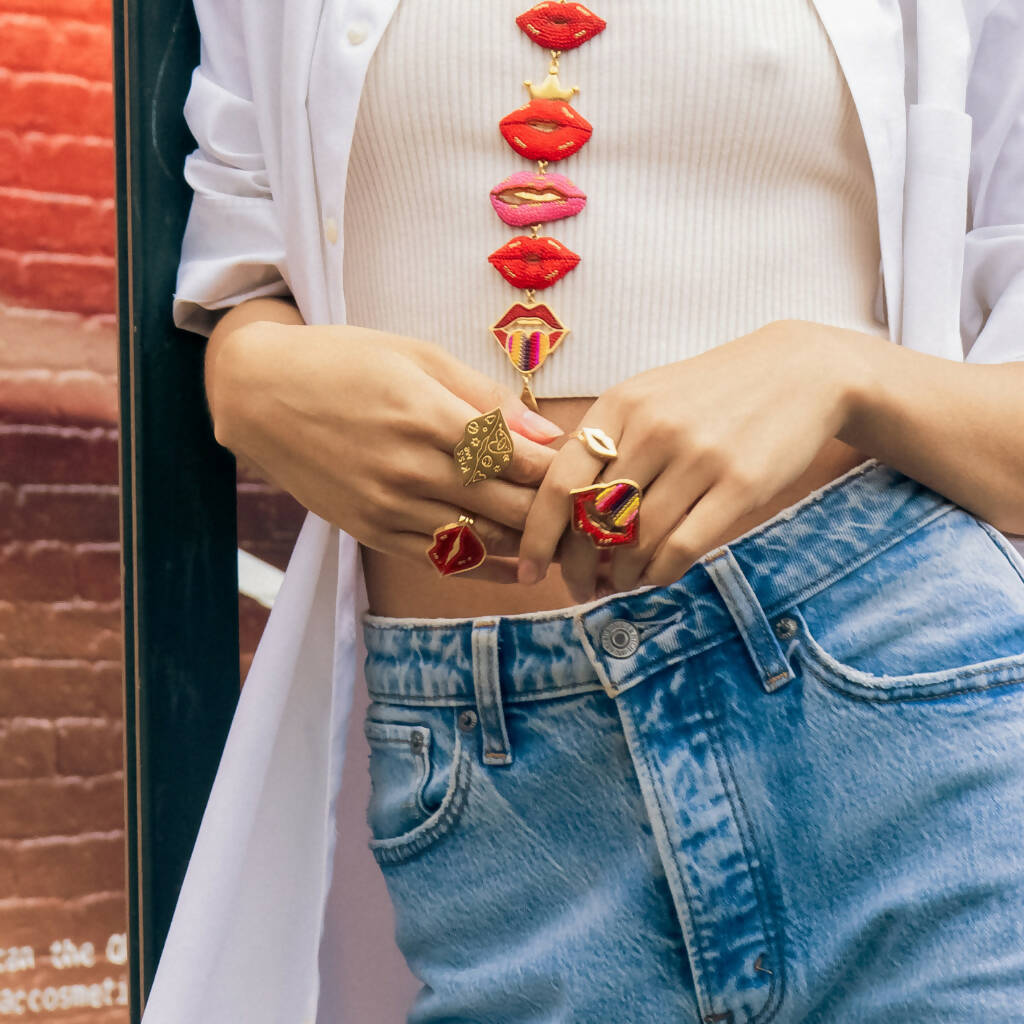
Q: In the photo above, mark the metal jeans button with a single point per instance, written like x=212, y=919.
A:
x=786, y=627
x=620, y=638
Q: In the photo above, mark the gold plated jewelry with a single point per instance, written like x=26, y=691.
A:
x=547, y=128
x=485, y=449
x=607, y=512
x=456, y=547
x=598, y=442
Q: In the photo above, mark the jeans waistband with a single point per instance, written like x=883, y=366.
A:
x=611, y=642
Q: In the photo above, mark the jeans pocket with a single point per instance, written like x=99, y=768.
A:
x=419, y=778
x=938, y=613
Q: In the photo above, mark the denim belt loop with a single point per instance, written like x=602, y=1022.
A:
x=487, y=686
x=746, y=610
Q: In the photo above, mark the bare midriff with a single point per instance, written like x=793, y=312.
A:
x=402, y=588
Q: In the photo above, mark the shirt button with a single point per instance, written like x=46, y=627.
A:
x=619, y=638
x=331, y=227
x=357, y=33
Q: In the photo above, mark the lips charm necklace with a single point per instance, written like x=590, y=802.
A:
x=546, y=129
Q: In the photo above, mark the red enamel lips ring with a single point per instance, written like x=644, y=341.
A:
x=456, y=548
x=547, y=128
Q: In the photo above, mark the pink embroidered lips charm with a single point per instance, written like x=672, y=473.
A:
x=533, y=262
x=607, y=512
x=528, y=198
x=560, y=26
x=528, y=333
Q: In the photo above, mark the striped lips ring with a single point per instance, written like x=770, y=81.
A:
x=607, y=512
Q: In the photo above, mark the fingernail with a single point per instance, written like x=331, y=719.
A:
x=540, y=425
x=528, y=572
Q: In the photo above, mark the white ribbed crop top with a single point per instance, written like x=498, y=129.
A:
x=727, y=178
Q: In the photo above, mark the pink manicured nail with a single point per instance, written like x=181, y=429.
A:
x=540, y=425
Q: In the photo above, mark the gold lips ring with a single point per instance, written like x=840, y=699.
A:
x=598, y=443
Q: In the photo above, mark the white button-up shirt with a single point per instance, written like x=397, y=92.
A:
x=939, y=88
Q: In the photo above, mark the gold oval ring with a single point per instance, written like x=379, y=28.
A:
x=598, y=443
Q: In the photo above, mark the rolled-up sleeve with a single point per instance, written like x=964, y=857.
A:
x=233, y=246
x=992, y=302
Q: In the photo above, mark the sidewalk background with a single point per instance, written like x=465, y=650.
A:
x=62, y=903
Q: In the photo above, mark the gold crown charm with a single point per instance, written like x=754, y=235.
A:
x=551, y=87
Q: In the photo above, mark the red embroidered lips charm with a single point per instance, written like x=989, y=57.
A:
x=528, y=333
x=607, y=512
x=560, y=26
x=456, y=549
x=527, y=198
x=546, y=130
x=533, y=262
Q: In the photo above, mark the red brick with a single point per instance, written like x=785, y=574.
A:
x=97, y=569
x=31, y=454
x=42, y=397
x=28, y=749
x=30, y=42
x=44, y=222
x=56, y=104
x=8, y=512
x=267, y=515
x=64, y=630
x=97, y=11
x=63, y=282
x=64, y=164
x=91, y=746
x=71, y=512
x=40, y=571
x=38, y=921
x=61, y=806
x=64, y=866
x=50, y=689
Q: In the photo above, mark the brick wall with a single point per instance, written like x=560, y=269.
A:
x=57, y=236
x=62, y=906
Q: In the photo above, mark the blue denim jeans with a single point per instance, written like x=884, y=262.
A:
x=787, y=787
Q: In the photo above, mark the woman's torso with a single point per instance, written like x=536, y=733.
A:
x=728, y=185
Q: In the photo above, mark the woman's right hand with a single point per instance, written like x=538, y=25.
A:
x=359, y=426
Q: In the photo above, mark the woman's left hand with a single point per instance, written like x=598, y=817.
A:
x=708, y=439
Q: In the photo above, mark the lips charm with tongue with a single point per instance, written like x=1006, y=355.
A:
x=528, y=333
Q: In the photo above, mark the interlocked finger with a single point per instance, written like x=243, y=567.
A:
x=550, y=513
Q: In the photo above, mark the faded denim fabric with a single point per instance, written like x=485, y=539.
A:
x=788, y=787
